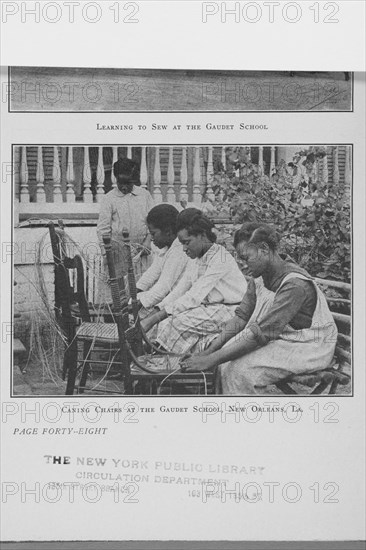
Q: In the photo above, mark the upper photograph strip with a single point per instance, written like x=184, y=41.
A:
x=54, y=89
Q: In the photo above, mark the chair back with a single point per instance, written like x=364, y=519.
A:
x=136, y=334
x=130, y=337
x=69, y=275
x=120, y=309
x=70, y=300
x=130, y=273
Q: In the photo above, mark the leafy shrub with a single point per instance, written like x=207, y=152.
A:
x=315, y=226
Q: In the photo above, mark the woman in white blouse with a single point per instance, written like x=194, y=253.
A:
x=191, y=315
x=169, y=261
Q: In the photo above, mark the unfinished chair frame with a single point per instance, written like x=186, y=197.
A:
x=65, y=296
x=71, y=309
x=131, y=338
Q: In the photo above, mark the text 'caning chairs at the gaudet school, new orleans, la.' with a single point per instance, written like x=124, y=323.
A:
x=96, y=349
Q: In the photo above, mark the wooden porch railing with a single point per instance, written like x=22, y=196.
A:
x=72, y=180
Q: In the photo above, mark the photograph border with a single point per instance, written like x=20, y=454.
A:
x=190, y=111
x=82, y=396
x=185, y=545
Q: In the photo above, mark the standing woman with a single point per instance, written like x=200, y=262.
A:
x=125, y=207
x=206, y=296
x=282, y=327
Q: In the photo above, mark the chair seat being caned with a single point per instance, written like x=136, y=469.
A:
x=160, y=366
x=143, y=373
x=103, y=332
x=97, y=350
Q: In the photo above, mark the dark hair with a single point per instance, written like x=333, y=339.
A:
x=256, y=233
x=127, y=168
x=163, y=217
x=196, y=223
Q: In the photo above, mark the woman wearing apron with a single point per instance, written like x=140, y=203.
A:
x=282, y=327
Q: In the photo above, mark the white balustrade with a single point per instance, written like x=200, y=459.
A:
x=325, y=172
x=70, y=176
x=114, y=160
x=197, y=197
x=183, y=197
x=272, y=165
x=260, y=159
x=152, y=166
x=210, y=175
x=157, y=177
x=249, y=154
x=223, y=158
x=40, y=193
x=24, y=176
x=336, y=175
x=56, y=177
x=144, y=178
x=316, y=171
x=170, y=178
x=348, y=167
x=100, y=175
x=87, y=177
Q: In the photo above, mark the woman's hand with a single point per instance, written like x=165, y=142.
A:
x=199, y=363
x=148, y=323
x=211, y=348
x=185, y=357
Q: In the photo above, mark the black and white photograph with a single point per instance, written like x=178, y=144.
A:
x=182, y=275
x=182, y=270
x=68, y=89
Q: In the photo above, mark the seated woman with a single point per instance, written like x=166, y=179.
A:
x=282, y=327
x=207, y=294
x=169, y=263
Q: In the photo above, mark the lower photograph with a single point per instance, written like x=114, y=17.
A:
x=182, y=270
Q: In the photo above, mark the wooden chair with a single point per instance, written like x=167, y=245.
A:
x=62, y=249
x=339, y=373
x=139, y=372
x=162, y=365
x=72, y=310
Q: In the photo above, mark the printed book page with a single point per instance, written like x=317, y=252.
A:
x=182, y=274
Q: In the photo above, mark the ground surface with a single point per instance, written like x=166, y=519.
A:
x=35, y=381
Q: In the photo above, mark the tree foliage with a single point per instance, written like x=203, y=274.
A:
x=312, y=216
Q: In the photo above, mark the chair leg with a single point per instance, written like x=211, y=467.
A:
x=86, y=367
x=128, y=387
x=333, y=387
x=70, y=364
x=319, y=388
x=285, y=388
